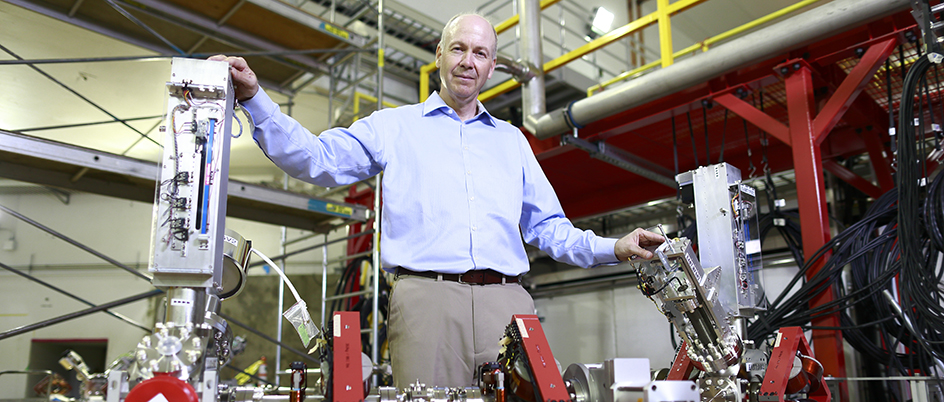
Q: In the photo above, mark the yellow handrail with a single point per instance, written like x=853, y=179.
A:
x=357, y=103
x=703, y=45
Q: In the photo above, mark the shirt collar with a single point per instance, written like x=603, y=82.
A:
x=435, y=102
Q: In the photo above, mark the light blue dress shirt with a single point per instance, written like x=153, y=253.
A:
x=457, y=196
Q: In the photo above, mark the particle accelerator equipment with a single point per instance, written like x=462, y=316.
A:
x=199, y=263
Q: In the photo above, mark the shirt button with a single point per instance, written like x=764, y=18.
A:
x=471, y=198
x=468, y=172
x=473, y=228
x=466, y=147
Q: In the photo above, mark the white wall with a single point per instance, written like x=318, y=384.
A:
x=593, y=327
x=23, y=302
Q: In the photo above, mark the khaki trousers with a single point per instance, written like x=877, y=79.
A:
x=441, y=331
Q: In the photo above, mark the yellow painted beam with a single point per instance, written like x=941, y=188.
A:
x=358, y=96
x=506, y=24
x=425, y=71
x=665, y=32
x=600, y=42
x=498, y=90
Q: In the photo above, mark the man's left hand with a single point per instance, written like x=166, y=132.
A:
x=635, y=243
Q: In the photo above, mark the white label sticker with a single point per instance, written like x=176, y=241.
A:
x=337, y=326
x=230, y=240
x=777, y=344
x=752, y=247
x=521, y=328
x=180, y=302
x=158, y=398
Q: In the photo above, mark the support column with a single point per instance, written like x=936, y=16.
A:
x=811, y=197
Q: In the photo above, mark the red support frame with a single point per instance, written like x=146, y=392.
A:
x=804, y=134
x=814, y=220
x=790, y=340
x=850, y=88
x=852, y=178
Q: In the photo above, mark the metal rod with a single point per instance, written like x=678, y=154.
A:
x=87, y=100
x=347, y=295
x=77, y=314
x=324, y=278
x=268, y=338
x=309, y=248
x=86, y=124
x=350, y=257
x=73, y=242
x=53, y=287
x=169, y=56
x=141, y=24
x=281, y=308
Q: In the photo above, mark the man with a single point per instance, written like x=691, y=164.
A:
x=460, y=190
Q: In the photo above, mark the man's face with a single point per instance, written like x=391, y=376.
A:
x=465, y=59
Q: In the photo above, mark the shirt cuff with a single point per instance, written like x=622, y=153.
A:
x=604, y=251
x=260, y=106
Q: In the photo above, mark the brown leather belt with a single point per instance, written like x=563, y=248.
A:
x=476, y=277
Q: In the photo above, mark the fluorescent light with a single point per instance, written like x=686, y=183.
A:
x=602, y=20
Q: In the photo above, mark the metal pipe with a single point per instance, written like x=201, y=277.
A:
x=324, y=278
x=144, y=26
x=533, y=103
x=90, y=304
x=823, y=21
x=232, y=320
x=278, y=318
x=73, y=242
x=85, y=124
x=77, y=314
x=521, y=72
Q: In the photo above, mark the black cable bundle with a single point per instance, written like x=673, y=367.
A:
x=897, y=248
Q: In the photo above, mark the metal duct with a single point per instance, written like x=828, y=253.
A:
x=824, y=21
x=532, y=92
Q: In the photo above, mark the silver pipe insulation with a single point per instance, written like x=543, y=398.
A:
x=823, y=21
x=519, y=71
x=533, y=103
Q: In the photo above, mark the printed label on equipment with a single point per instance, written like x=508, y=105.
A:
x=752, y=247
x=747, y=190
x=777, y=344
x=180, y=302
x=230, y=240
x=337, y=326
x=521, y=328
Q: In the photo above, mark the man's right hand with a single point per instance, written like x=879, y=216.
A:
x=244, y=79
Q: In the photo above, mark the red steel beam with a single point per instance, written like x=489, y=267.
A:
x=758, y=118
x=850, y=88
x=852, y=178
x=811, y=197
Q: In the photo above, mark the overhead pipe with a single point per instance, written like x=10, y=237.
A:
x=521, y=72
x=823, y=21
x=533, y=103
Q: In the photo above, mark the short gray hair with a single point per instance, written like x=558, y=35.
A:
x=452, y=21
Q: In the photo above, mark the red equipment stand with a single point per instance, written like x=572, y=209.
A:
x=682, y=367
x=347, y=381
x=790, y=340
x=547, y=378
x=162, y=387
